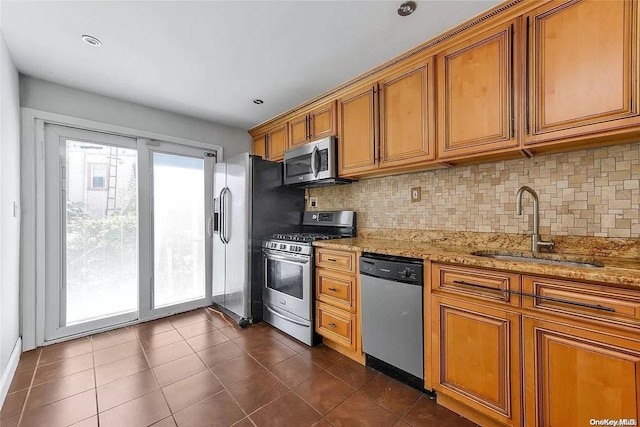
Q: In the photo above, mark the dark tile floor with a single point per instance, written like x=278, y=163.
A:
x=198, y=369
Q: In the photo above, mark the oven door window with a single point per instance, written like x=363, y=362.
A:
x=285, y=277
x=300, y=165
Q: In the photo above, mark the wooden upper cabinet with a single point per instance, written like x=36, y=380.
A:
x=476, y=108
x=582, y=69
x=407, y=116
x=318, y=123
x=299, y=130
x=357, y=132
x=476, y=357
x=573, y=375
x=277, y=142
x=322, y=121
x=260, y=146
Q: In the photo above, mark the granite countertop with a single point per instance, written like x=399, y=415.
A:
x=617, y=271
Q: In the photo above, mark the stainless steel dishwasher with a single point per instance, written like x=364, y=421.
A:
x=392, y=326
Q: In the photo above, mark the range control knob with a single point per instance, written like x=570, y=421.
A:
x=283, y=246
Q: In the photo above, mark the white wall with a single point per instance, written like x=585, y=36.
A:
x=9, y=224
x=46, y=96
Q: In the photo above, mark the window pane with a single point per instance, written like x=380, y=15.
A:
x=101, y=232
x=178, y=229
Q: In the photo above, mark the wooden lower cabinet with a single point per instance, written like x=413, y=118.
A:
x=544, y=362
x=476, y=357
x=338, y=301
x=574, y=375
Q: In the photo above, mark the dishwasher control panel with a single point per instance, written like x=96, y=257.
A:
x=399, y=269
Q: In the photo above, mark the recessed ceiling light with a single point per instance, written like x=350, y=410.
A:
x=407, y=8
x=258, y=101
x=91, y=41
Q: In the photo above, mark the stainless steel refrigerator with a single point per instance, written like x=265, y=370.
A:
x=250, y=203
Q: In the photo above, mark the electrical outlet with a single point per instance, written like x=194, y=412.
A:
x=415, y=194
x=313, y=202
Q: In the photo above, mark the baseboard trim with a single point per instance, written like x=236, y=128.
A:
x=10, y=370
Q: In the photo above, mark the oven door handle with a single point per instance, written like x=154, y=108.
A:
x=282, y=316
x=298, y=259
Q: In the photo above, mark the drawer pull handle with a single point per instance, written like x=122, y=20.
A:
x=333, y=289
x=525, y=294
x=333, y=325
x=332, y=259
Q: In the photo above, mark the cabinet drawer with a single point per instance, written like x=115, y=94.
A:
x=476, y=283
x=335, y=324
x=336, y=288
x=336, y=260
x=599, y=302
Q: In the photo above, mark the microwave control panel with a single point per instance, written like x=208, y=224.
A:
x=324, y=159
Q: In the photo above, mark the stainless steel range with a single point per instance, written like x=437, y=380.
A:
x=288, y=289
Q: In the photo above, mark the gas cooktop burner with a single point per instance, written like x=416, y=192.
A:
x=305, y=237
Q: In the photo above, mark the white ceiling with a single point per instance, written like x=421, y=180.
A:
x=210, y=59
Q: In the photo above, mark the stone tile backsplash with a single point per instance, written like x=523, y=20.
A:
x=592, y=192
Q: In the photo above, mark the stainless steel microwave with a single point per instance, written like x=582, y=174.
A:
x=313, y=164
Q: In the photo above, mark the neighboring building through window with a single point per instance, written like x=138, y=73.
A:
x=98, y=178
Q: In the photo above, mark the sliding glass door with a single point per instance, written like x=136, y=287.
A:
x=91, y=230
x=180, y=211
x=126, y=230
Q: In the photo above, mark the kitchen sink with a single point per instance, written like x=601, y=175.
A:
x=551, y=259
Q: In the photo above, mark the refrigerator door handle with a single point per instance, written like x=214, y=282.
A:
x=314, y=162
x=223, y=209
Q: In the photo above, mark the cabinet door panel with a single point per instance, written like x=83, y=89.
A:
x=407, y=116
x=277, y=142
x=477, y=357
x=298, y=131
x=357, y=132
x=323, y=121
x=260, y=147
x=336, y=288
x=477, y=106
x=573, y=376
x=337, y=325
x=583, y=68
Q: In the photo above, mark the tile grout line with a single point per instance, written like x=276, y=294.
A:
x=33, y=377
x=157, y=382
x=95, y=382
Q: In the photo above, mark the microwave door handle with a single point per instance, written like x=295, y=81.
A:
x=314, y=162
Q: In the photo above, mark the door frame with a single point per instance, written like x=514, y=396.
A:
x=32, y=233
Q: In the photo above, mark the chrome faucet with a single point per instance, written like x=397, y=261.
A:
x=535, y=242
